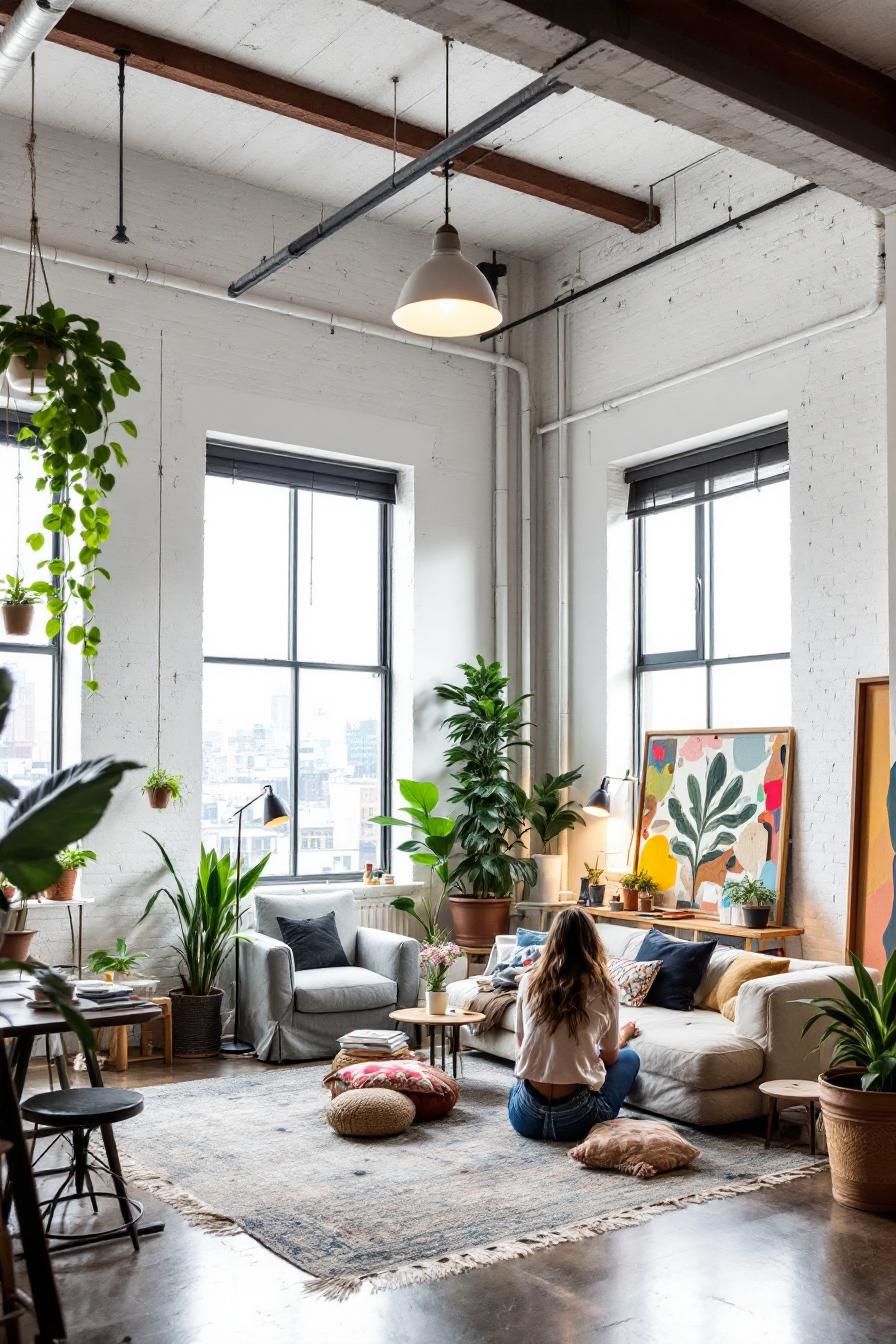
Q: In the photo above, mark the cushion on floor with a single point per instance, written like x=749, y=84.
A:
x=342, y=989
x=370, y=1113
x=641, y=1148
x=432, y=1091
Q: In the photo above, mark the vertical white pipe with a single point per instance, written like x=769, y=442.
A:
x=525, y=477
x=562, y=553
x=502, y=513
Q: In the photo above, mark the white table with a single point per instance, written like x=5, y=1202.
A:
x=79, y=902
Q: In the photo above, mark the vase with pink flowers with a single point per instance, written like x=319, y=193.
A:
x=435, y=962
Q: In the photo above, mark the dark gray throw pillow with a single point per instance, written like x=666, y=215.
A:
x=684, y=965
x=314, y=942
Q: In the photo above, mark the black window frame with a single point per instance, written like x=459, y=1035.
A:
x=295, y=473
x=10, y=425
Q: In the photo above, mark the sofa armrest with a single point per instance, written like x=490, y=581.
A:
x=769, y=1012
x=267, y=977
x=393, y=955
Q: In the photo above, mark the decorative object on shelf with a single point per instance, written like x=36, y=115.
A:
x=858, y=1090
x=550, y=818
x=871, y=919
x=435, y=962
x=635, y=886
x=753, y=899
x=615, y=903
x=591, y=888
x=447, y=295
x=70, y=860
x=208, y=925
x=715, y=805
x=18, y=599
x=484, y=732
x=120, y=961
x=162, y=788
x=431, y=845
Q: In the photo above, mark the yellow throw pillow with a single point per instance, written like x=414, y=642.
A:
x=748, y=966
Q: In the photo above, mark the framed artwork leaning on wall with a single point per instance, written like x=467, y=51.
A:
x=871, y=912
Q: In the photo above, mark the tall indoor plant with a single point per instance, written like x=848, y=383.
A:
x=207, y=927
x=430, y=846
x=484, y=732
x=550, y=817
x=858, y=1091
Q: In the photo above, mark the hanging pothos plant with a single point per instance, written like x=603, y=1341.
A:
x=74, y=441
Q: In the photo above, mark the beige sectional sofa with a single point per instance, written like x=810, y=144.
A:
x=698, y=1066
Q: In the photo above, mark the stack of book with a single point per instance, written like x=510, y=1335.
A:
x=104, y=991
x=377, y=1044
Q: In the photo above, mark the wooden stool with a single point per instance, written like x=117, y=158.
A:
x=476, y=954
x=118, y=1053
x=796, y=1091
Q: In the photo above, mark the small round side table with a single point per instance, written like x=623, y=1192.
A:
x=445, y=1023
x=796, y=1092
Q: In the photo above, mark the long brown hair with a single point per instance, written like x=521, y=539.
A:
x=573, y=963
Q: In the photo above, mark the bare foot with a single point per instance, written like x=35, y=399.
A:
x=628, y=1031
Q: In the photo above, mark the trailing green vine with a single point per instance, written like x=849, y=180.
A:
x=73, y=441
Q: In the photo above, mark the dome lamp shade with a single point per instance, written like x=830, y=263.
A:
x=447, y=295
x=598, y=805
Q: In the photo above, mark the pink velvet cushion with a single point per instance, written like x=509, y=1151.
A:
x=633, y=979
x=432, y=1091
x=640, y=1148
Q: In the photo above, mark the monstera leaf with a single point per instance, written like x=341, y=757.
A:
x=714, y=818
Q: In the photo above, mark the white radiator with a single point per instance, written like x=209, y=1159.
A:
x=375, y=911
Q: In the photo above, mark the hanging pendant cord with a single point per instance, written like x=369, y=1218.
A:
x=121, y=234
x=159, y=622
x=447, y=41
x=35, y=256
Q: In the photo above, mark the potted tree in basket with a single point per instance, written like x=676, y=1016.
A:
x=484, y=731
x=162, y=788
x=754, y=900
x=70, y=860
x=207, y=927
x=858, y=1091
x=18, y=599
x=550, y=817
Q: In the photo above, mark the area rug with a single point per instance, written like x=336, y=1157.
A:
x=252, y=1151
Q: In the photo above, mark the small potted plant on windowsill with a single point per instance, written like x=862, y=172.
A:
x=754, y=900
x=162, y=788
x=593, y=889
x=121, y=961
x=70, y=860
x=18, y=599
x=636, y=885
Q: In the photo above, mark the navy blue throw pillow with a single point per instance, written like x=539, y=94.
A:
x=314, y=942
x=684, y=965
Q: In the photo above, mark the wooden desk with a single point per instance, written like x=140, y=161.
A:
x=699, y=925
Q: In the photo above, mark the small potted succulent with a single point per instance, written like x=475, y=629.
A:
x=435, y=961
x=754, y=900
x=70, y=860
x=636, y=886
x=162, y=788
x=18, y=599
x=120, y=961
x=592, y=888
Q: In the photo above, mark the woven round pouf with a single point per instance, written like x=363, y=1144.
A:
x=370, y=1113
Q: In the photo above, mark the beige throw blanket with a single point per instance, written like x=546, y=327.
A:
x=493, y=1003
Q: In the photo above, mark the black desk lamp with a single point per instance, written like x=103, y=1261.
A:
x=275, y=814
x=598, y=805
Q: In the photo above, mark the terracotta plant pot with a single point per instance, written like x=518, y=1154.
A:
x=64, y=889
x=478, y=922
x=25, y=382
x=756, y=916
x=645, y=903
x=196, y=1023
x=16, y=943
x=18, y=617
x=629, y=899
x=860, y=1128
x=159, y=798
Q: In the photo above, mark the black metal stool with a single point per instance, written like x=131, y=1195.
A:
x=79, y=1111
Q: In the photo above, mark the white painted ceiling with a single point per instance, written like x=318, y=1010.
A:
x=352, y=49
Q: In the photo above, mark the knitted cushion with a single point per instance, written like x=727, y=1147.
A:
x=432, y=1091
x=370, y=1113
x=633, y=979
x=349, y=1057
x=638, y=1147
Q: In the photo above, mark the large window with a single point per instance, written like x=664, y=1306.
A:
x=29, y=745
x=712, y=548
x=296, y=638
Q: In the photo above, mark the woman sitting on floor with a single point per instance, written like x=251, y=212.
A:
x=573, y=1065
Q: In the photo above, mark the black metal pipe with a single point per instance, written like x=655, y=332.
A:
x=734, y=221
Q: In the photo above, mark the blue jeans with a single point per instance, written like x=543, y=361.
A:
x=537, y=1117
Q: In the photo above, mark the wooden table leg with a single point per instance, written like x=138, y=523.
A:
x=770, y=1127
x=811, y=1109
x=432, y=1046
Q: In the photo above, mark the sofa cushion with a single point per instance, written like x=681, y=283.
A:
x=314, y=943
x=342, y=989
x=683, y=968
x=700, y=1050
x=270, y=906
x=620, y=941
x=633, y=979
x=746, y=966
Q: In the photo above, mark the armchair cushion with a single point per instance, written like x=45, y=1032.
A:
x=271, y=906
x=314, y=942
x=343, y=989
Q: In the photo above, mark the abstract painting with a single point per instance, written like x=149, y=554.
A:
x=871, y=924
x=714, y=806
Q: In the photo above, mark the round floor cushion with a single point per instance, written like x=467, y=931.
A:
x=432, y=1091
x=370, y=1113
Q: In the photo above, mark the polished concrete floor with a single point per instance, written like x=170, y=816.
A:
x=786, y=1265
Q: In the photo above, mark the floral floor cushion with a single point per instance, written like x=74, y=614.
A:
x=640, y=1148
x=432, y=1091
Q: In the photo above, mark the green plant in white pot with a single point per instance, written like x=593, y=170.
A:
x=754, y=900
x=550, y=817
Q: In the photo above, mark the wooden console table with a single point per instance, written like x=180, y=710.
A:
x=699, y=925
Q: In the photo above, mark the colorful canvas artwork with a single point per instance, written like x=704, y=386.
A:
x=871, y=927
x=714, y=806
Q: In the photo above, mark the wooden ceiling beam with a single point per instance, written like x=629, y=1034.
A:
x=214, y=74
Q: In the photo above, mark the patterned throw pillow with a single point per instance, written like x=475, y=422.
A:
x=641, y=1148
x=633, y=979
x=432, y=1091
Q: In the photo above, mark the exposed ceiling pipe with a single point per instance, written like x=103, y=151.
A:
x=25, y=31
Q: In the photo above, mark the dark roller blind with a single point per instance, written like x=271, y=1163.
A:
x=300, y=471
x=723, y=469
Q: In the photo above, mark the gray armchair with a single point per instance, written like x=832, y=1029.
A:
x=293, y=1015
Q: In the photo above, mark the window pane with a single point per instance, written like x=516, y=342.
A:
x=21, y=511
x=751, y=695
x=246, y=733
x=246, y=569
x=340, y=730
x=751, y=572
x=339, y=579
x=26, y=745
x=673, y=698
x=668, y=618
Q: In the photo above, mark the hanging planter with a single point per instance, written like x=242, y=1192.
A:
x=18, y=599
x=26, y=374
x=162, y=788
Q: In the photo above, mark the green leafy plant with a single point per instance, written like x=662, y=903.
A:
x=207, y=918
x=484, y=732
x=641, y=881
x=862, y=1022
x=74, y=441
x=163, y=779
x=15, y=592
x=547, y=812
x=707, y=832
x=75, y=858
x=431, y=847
x=594, y=874
x=749, y=892
x=120, y=961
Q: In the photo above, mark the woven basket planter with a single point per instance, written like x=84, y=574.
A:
x=196, y=1023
